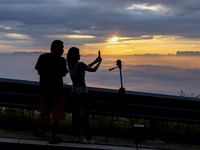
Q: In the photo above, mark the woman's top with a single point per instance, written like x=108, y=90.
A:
x=77, y=74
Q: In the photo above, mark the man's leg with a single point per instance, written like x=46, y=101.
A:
x=42, y=127
x=54, y=127
x=44, y=116
x=58, y=113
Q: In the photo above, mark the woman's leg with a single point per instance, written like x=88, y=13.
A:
x=76, y=124
x=86, y=125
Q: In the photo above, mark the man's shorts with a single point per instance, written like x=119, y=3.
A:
x=55, y=105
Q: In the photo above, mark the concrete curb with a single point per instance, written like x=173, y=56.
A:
x=23, y=144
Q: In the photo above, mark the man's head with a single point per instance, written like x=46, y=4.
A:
x=57, y=47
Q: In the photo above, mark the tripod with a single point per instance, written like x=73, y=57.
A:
x=121, y=92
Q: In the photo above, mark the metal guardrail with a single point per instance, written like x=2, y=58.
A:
x=24, y=94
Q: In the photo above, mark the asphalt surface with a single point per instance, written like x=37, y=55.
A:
x=25, y=140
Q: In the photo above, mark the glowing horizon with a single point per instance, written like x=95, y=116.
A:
x=158, y=44
x=116, y=45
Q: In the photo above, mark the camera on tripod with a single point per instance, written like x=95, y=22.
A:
x=122, y=96
x=119, y=65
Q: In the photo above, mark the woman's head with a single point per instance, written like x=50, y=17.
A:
x=73, y=56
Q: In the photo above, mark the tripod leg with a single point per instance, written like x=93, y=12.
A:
x=134, y=133
x=109, y=128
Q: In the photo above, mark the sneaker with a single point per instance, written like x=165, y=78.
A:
x=84, y=140
x=77, y=139
x=88, y=141
x=91, y=141
x=39, y=134
x=55, y=140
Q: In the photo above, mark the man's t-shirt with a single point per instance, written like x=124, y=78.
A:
x=51, y=69
x=77, y=75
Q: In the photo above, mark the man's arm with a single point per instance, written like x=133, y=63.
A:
x=64, y=70
x=38, y=65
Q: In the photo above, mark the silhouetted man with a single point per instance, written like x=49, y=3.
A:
x=52, y=68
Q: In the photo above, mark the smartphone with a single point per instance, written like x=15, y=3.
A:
x=99, y=55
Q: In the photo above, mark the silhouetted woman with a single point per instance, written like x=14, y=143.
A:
x=80, y=112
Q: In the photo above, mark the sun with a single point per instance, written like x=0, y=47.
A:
x=114, y=39
x=117, y=39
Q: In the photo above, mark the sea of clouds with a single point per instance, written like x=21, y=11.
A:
x=164, y=74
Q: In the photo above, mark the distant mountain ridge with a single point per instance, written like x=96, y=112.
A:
x=21, y=53
x=178, y=53
x=188, y=53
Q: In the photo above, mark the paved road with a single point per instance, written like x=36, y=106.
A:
x=24, y=140
x=24, y=144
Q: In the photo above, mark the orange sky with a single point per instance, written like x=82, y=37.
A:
x=130, y=46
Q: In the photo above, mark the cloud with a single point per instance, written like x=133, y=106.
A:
x=148, y=78
x=39, y=20
x=145, y=73
x=161, y=79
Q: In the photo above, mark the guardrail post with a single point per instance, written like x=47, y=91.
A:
x=151, y=129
